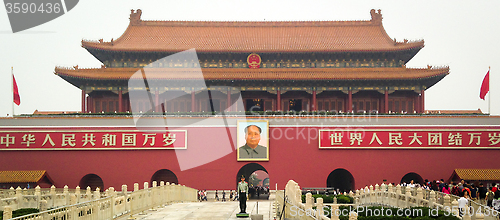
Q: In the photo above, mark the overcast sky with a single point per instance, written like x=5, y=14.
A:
x=464, y=35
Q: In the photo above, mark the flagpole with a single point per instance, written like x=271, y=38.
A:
x=12, y=86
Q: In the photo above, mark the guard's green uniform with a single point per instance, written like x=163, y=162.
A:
x=242, y=192
x=247, y=152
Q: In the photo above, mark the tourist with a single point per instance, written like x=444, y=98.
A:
x=490, y=195
x=216, y=195
x=205, y=195
x=441, y=184
x=446, y=189
x=461, y=185
x=231, y=195
x=455, y=190
x=223, y=195
x=411, y=184
x=473, y=191
x=462, y=202
x=434, y=185
x=466, y=189
x=497, y=193
x=424, y=186
x=482, y=194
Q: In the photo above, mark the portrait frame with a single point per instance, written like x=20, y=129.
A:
x=241, y=141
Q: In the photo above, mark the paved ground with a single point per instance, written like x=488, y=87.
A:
x=206, y=210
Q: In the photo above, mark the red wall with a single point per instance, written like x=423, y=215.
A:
x=297, y=158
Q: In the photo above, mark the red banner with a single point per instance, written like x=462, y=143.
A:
x=91, y=139
x=408, y=138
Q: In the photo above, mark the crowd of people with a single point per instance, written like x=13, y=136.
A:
x=464, y=189
x=221, y=195
x=233, y=196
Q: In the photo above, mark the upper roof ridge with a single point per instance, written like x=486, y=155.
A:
x=135, y=19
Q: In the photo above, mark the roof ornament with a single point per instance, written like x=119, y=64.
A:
x=135, y=18
x=376, y=17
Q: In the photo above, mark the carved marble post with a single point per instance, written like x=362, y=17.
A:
x=66, y=194
x=353, y=216
x=432, y=199
x=454, y=208
x=319, y=207
x=309, y=201
x=7, y=212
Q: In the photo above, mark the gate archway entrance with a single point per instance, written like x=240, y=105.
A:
x=256, y=176
x=164, y=175
x=340, y=179
x=93, y=181
x=412, y=176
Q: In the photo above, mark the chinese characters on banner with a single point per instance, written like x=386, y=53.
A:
x=83, y=139
x=409, y=138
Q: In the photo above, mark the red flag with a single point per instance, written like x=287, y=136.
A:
x=485, y=87
x=17, y=98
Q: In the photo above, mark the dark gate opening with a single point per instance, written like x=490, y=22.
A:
x=412, y=176
x=295, y=105
x=257, y=191
x=340, y=179
x=164, y=175
x=93, y=181
x=254, y=105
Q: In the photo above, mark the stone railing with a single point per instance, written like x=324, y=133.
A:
x=31, y=198
x=290, y=203
x=406, y=197
x=97, y=205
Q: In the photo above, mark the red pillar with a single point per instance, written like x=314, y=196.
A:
x=349, y=101
x=314, y=101
x=90, y=104
x=157, y=101
x=87, y=104
x=386, y=101
x=83, y=101
x=422, y=104
x=416, y=107
x=193, y=102
x=278, y=100
x=228, y=99
x=120, y=100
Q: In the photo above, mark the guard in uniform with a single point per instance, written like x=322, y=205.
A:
x=243, y=192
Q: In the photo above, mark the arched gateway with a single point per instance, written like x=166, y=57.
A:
x=340, y=179
x=247, y=170
x=164, y=175
x=93, y=181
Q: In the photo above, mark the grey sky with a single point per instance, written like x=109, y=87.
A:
x=463, y=35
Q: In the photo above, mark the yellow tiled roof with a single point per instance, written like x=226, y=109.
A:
x=478, y=174
x=255, y=36
x=21, y=176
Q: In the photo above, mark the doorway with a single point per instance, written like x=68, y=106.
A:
x=257, y=178
x=295, y=105
x=340, y=179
